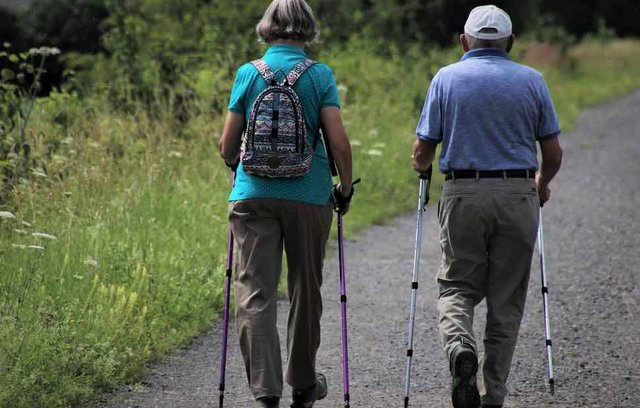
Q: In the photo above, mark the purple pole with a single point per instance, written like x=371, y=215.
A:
x=343, y=310
x=225, y=326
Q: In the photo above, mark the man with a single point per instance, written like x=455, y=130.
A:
x=488, y=113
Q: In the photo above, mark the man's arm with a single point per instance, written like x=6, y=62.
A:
x=424, y=151
x=231, y=138
x=551, y=162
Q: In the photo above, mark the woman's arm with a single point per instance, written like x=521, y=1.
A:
x=339, y=144
x=231, y=138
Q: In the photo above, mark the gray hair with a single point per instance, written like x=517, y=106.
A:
x=287, y=20
x=475, y=43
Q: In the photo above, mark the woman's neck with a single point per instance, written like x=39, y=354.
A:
x=295, y=43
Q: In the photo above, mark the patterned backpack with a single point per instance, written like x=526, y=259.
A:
x=275, y=142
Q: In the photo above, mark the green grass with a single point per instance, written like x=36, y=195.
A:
x=138, y=207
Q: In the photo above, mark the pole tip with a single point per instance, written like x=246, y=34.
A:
x=406, y=402
x=552, y=387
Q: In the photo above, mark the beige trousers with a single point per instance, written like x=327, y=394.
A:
x=487, y=233
x=261, y=228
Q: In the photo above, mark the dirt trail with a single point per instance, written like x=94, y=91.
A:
x=592, y=233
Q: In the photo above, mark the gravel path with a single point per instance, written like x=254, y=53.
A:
x=592, y=231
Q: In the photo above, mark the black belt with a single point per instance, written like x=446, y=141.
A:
x=466, y=174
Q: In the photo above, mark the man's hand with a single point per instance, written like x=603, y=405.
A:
x=544, y=192
x=551, y=162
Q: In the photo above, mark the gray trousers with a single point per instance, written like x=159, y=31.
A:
x=487, y=234
x=261, y=228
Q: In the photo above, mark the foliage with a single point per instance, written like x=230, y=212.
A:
x=10, y=29
x=166, y=52
x=580, y=17
x=116, y=253
x=71, y=25
x=19, y=83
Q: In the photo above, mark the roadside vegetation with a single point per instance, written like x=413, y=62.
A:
x=113, y=210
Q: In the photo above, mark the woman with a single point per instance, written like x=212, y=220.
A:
x=267, y=214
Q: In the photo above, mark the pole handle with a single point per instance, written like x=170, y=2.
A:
x=426, y=175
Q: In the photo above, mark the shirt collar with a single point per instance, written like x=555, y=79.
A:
x=280, y=48
x=485, y=52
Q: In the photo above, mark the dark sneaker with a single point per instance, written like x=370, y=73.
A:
x=306, y=397
x=491, y=406
x=269, y=402
x=464, y=366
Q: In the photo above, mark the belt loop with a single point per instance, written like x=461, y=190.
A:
x=504, y=175
x=477, y=175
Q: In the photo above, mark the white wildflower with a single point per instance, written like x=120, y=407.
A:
x=44, y=51
x=380, y=145
x=90, y=261
x=7, y=215
x=374, y=132
x=374, y=152
x=20, y=231
x=343, y=88
x=44, y=236
x=39, y=173
x=21, y=246
x=67, y=194
x=26, y=224
x=78, y=277
x=175, y=155
x=356, y=143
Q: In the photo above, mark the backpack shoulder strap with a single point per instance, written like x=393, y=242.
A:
x=298, y=70
x=263, y=69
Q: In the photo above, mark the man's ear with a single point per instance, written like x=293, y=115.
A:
x=464, y=43
x=512, y=39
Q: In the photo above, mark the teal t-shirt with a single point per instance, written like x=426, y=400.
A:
x=316, y=89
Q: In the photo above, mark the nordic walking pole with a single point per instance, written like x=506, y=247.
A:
x=343, y=303
x=343, y=313
x=545, y=306
x=423, y=199
x=225, y=324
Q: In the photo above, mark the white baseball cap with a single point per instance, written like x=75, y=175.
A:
x=488, y=23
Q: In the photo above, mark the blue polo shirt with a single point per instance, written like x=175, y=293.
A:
x=488, y=112
x=316, y=89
